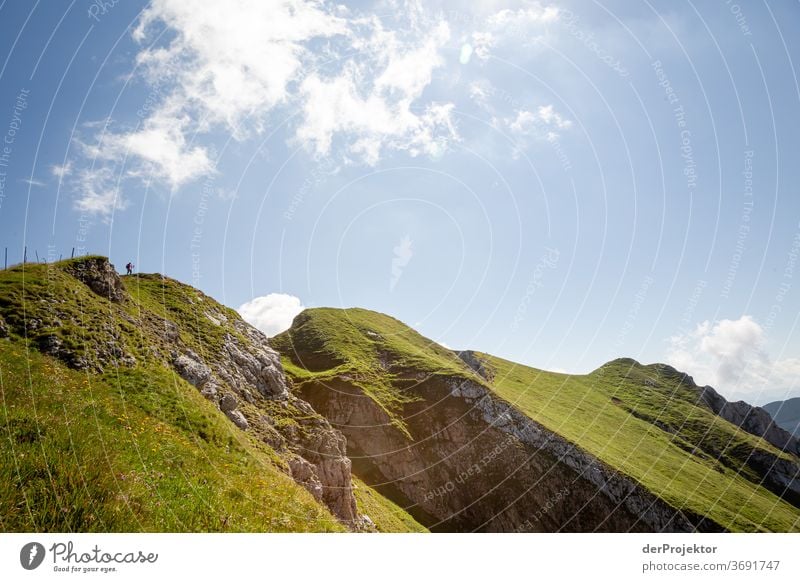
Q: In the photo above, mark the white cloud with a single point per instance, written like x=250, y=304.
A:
x=520, y=28
x=482, y=43
x=232, y=61
x=61, y=171
x=373, y=102
x=158, y=149
x=530, y=122
x=403, y=252
x=480, y=91
x=526, y=126
x=33, y=182
x=271, y=313
x=233, y=66
x=523, y=18
x=730, y=355
x=98, y=192
x=227, y=65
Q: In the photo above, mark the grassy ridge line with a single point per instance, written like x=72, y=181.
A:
x=594, y=412
x=637, y=420
x=131, y=448
x=367, y=348
x=144, y=451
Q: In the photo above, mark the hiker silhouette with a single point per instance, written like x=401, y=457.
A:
x=129, y=269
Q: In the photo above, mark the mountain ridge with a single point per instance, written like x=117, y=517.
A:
x=349, y=420
x=236, y=442
x=383, y=344
x=786, y=414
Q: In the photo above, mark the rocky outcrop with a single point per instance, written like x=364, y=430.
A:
x=306, y=475
x=254, y=366
x=191, y=369
x=100, y=276
x=246, y=381
x=326, y=450
x=619, y=489
x=479, y=465
x=786, y=414
x=480, y=367
x=752, y=419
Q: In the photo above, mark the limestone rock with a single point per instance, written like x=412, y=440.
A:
x=305, y=474
x=472, y=360
x=752, y=419
x=190, y=367
x=210, y=389
x=238, y=419
x=99, y=275
x=228, y=403
x=258, y=366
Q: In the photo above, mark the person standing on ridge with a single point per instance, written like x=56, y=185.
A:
x=129, y=268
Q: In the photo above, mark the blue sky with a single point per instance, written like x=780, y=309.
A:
x=556, y=183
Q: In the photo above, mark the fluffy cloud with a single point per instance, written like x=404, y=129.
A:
x=519, y=27
x=271, y=313
x=730, y=356
x=232, y=61
x=233, y=66
x=99, y=192
x=61, y=171
x=530, y=122
x=158, y=150
x=371, y=101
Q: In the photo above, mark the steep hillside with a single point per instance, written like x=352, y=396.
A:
x=140, y=404
x=471, y=442
x=786, y=414
x=652, y=423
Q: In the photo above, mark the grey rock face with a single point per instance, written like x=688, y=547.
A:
x=752, y=419
x=100, y=276
x=191, y=368
x=326, y=449
x=258, y=365
x=227, y=403
x=171, y=332
x=254, y=372
x=618, y=488
x=50, y=345
x=210, y=389
x=473, y=361
x=238, y=419
x=469, y=469
x=305, y=474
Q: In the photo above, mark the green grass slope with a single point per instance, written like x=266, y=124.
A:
x=387, y=516
x=360, y=341
x=123, y=447
x=641, y=420
x=137, y=450
x=123, y=443
x=645, y=423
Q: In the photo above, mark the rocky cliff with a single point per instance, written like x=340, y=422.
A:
x=785, y=412
x=453, y=437
x=149, y=320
